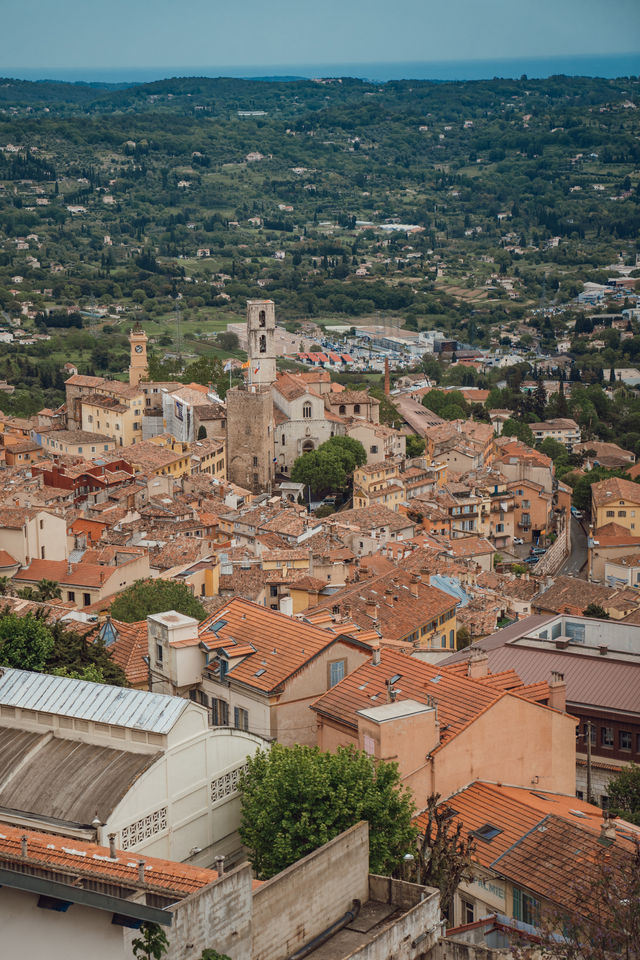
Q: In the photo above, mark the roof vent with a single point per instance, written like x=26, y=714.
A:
x=603, y=649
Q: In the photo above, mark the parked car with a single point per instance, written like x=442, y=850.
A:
x=518, y=540
x=531, y=560
x=537, y=551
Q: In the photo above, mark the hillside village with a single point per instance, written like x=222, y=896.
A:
x=430, y=613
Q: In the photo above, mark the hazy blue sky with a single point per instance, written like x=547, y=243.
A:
x=150, y=33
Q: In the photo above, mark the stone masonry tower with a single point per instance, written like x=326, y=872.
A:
x=250, y=426
x=261, y=328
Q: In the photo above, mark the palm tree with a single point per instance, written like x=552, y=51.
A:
x=27, y=593
x=48, y=590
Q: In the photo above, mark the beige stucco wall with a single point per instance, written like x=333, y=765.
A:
x=78, y=934
x=499, y=746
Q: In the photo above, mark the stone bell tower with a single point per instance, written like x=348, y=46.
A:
x=261, y=328
x=138, y=368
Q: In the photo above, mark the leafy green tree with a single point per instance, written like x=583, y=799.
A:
x=519, y=430
x=295, y=799
x=81, y=656
x=349, y=452
x=214, y=955
x=319, y=470
x=5, y=585
x=448, y=404
x=595, y=610
x=624, y=794
x=155, y=596
x=91, y=673
x=153, y=943
x=415, y=446
x=48, y=590
x=25, y=642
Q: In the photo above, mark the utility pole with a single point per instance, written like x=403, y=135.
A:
x=588, y=726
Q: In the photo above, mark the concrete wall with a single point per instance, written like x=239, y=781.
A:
x=446, y=949
x=216, y=917
x=301, y=902
x=412, y=935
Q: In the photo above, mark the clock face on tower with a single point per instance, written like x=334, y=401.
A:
x=138, y=348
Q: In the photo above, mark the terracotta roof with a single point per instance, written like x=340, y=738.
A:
x=282, y=644
x=79, y=859
x=6, y=560
x=129, y=649
x=607, y=491
x=372, y=517
x=612, y=535
x=81, y=574
x=572, y=595
x=399, y=602
x=460, y=699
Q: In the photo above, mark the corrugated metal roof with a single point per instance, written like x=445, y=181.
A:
x=83, y=700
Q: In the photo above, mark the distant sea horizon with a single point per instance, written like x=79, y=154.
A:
x=608, y=66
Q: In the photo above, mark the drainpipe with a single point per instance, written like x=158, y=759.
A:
x=331, y=931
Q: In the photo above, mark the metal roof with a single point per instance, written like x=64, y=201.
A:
x=154, y=712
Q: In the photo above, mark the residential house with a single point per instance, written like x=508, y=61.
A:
x=27, y=534
x=255, y=669
x=445, y=728
x=518, y=832
x=74, y=443
x=616, y=501
x=562, y=429
x=599, y=662
x=86, y=583
x=399, y=605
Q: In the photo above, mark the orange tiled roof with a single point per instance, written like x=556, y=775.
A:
x=81, y=574
x=282, y=644
x=79, y=858
x=514, y=811
x=460, y=699
x=608, y=491
x=129, y=649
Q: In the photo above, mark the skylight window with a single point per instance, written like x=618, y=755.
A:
x=541, y=796
x=578, y=813
x=437, y=678
x=487, y=832
x=217, y=625
x=260, y=672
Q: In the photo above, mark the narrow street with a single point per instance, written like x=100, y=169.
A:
x=576, y=564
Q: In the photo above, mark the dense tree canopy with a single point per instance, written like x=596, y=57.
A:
x=155, y=596
x=295, y=799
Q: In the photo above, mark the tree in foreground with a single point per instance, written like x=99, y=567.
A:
x=444, y=851
x=25, y=642
x=153, y=943
x=624, y=794
x=415, y=446
x=295, y=799
x=155, y=596
x=520, y=430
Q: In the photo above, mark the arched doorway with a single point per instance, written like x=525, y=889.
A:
x=307, y=446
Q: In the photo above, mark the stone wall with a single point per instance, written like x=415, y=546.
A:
x=557, y=553
x=296, y=905
x=250, y=438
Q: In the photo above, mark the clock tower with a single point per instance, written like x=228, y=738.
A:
x=138, y=362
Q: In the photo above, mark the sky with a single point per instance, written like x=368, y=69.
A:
x=121, y=34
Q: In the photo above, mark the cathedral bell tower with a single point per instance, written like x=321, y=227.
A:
x=261, y=329
x=138, y=362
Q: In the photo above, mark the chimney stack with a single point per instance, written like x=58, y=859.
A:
x=371, y=609
x=220, y=865
x=478, y=664
x=23, y=845
x=112, y=846
x=141, y=871
x=557, y=691
x=375, y=660
x=608, y=830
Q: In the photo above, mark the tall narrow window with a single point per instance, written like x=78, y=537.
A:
x=262, y=319
x=263, y=344
x=306, y=411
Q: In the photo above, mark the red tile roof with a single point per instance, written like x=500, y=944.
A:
x=81, y=859
x=274, y=645
x=460, y=699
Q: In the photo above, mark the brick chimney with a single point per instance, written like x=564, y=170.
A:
x=387, y=380
x=557, y=691
x=478, y=664
x=371, y=609
x=608, y=831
